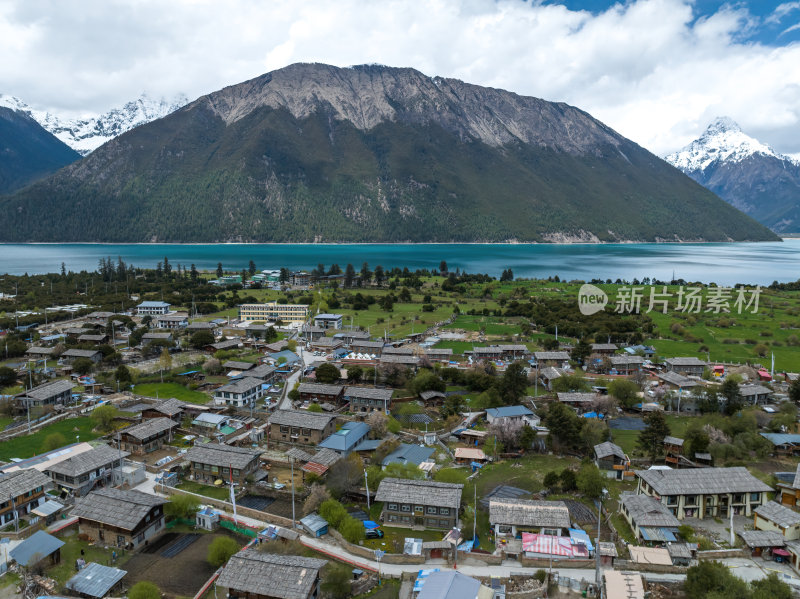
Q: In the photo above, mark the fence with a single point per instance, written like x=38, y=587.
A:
x=241, y=529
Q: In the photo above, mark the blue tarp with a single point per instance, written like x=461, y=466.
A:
x=662, y=535
x=580, y=537
x=369, y=524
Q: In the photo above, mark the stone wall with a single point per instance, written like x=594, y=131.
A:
x=227, y=507
x=722, y=553
x=622, y=564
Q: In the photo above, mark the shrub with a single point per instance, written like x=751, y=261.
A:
x=144, y=590
x=221, y=550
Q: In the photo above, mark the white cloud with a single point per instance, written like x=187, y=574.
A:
x=649, y=68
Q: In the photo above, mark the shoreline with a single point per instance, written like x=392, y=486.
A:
x=388, y=243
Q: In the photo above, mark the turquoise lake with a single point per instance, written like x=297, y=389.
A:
x=723, y=263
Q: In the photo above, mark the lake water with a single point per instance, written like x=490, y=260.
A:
x=723, y=263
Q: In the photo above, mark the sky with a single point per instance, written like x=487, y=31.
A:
x=657, y=71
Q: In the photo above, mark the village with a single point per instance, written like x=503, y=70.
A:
x=284, y=449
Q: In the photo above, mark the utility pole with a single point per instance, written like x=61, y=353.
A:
x=294, y=524
x=597, y=577
x=366, y=484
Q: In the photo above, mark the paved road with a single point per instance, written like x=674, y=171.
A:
x=285, y=403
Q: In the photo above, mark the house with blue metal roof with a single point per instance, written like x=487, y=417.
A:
x=408, y=454
x=513, y=413
x=95, y=580
x=37, y=547
x=346, y=438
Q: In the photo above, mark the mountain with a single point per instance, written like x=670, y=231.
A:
x=745, y=173
x=315, y=153
x=27, y=151
x=86, y=134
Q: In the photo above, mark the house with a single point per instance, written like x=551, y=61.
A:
x=300, y=426
x=285, y=359
x=468, y=455
x=681, y=553
x=36, y=548
x=326, y=344
x=647, y=351
x=543, y=359
x=673, y=450
x=762, y=542
x=239, y=393
x=319, y=463
x=755, y=394
x=361, y=346
x=120, y=518
x=315, y=525
x=148, y=436
x=611, y=459
x=604, y=349
x=513, y=351
x=513, y=414
x=95, y=581
x=649, y=519
x=453, y=585
x=170, y=408
x=37, y=353
x=253, y=574
x=409, y=454
x=200, y=325
x=685, y=366
x=580, y=400
x=176, y=320
x=401, y=359
x=238, y=366
x=210, y=422
x=608, y=553
x=549, y=374
x=150, y=337
x=627, y=585
x=21, y=492
x=789, y=493
x=223, y=345
x=312, y=333
x=776, y=517
x=47, y=394
x=316, y=392
x=704, y=492
x=69, y=356
x=94, y=339
x=486, y=353
x=783, y=444
x=346, y=438
x=511, y=517
x=432, y=398
x=367, y=399
x=263, y=372
x=152, y=308
x=435, y=354
x=425, y=503
x=213, y=461
x=328, y=321
x=299, y=278
x=273, y=312
x=81, y=473
x=673, y=380
x=626, y=364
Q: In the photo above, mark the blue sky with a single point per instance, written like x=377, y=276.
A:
x=657, y=71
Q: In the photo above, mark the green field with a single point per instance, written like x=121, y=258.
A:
x=222, y=492
x=168, y=390
x=30, y=445
x=627, y=439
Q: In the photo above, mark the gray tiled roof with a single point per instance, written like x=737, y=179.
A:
x=321, y=389
x=424, y=492
x=676, y=379
x=88, y=461
x=368, y=344
x=607, y=448
x=705, y=481
x=668, y=440
x=238, y=365
x=762, y=538
x=576, y=397
x=298, y=454
x=301, y=418
x=398, y=351
x=262, y=371
x=796, y=483
x=80, y=353
x=749, y=390
x=439, y=351
x=283, y=576
x=398, y=359
x=620, y=360
x=690, y=361
x=551, y=355
x=241, y=385
x=20, y=482
x=149, y=428
x=680, y=550
x=779, y=514
x=44, y=351
x=604, y=346
x=169, y=407
x=95, y=580
x=646, y=511
x=325, y=457
x=217, y=454
x=368, y=393
x=47, y=390
x=526, y=512
x=115, y=507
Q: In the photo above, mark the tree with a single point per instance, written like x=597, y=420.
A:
x=212, y=366
x=165, y=360
x=327, y=373
x=221, y=550
x=377, y=422
x=315, y=407
x=696, y=439
x=570, y=382
x=513, y=384
x=651, y=439
x=551, y=480
x=581, y=351
x=82, y=366
x=123, y=374
x=53, y=441
x=220, y=272
x=564, y=425
x=771, y=587
x=568, y=479
x=352, y=530
x=794, y=391
x=144, y=590
x=182, y=506
x=593, y=432
x=366, y=275
x=333, y=512
x=200, y=339
x=251, y=268
x=349, y=275
x=426, y=380
x=625, y=391
x=345, y=475
x=526, y=437
x=316, y=496
x=8, y=376
x=379, y=275
x=103, y=417
x=443, y=266
x=354, y=373
x=734, y=401
x=709, y=577
x=589, y=480
x=336, y=582
x=291, y=345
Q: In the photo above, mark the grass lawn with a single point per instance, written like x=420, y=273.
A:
x=458, y=347
x=168, y=390
x=394, y=538
x=30, y=445
x=222, y=493
x=389, y=589
x=623, y=528
x=677, y=427
x=71, y=551
x=490, y=325
x=5, y=421
x=526, y=473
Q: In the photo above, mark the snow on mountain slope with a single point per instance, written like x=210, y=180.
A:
x=87, y=133
x=722, y=141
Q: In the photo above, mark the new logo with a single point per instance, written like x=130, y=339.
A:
x=591, y=299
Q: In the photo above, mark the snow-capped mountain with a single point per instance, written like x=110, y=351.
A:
x=745, y=173
x=87, y=133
